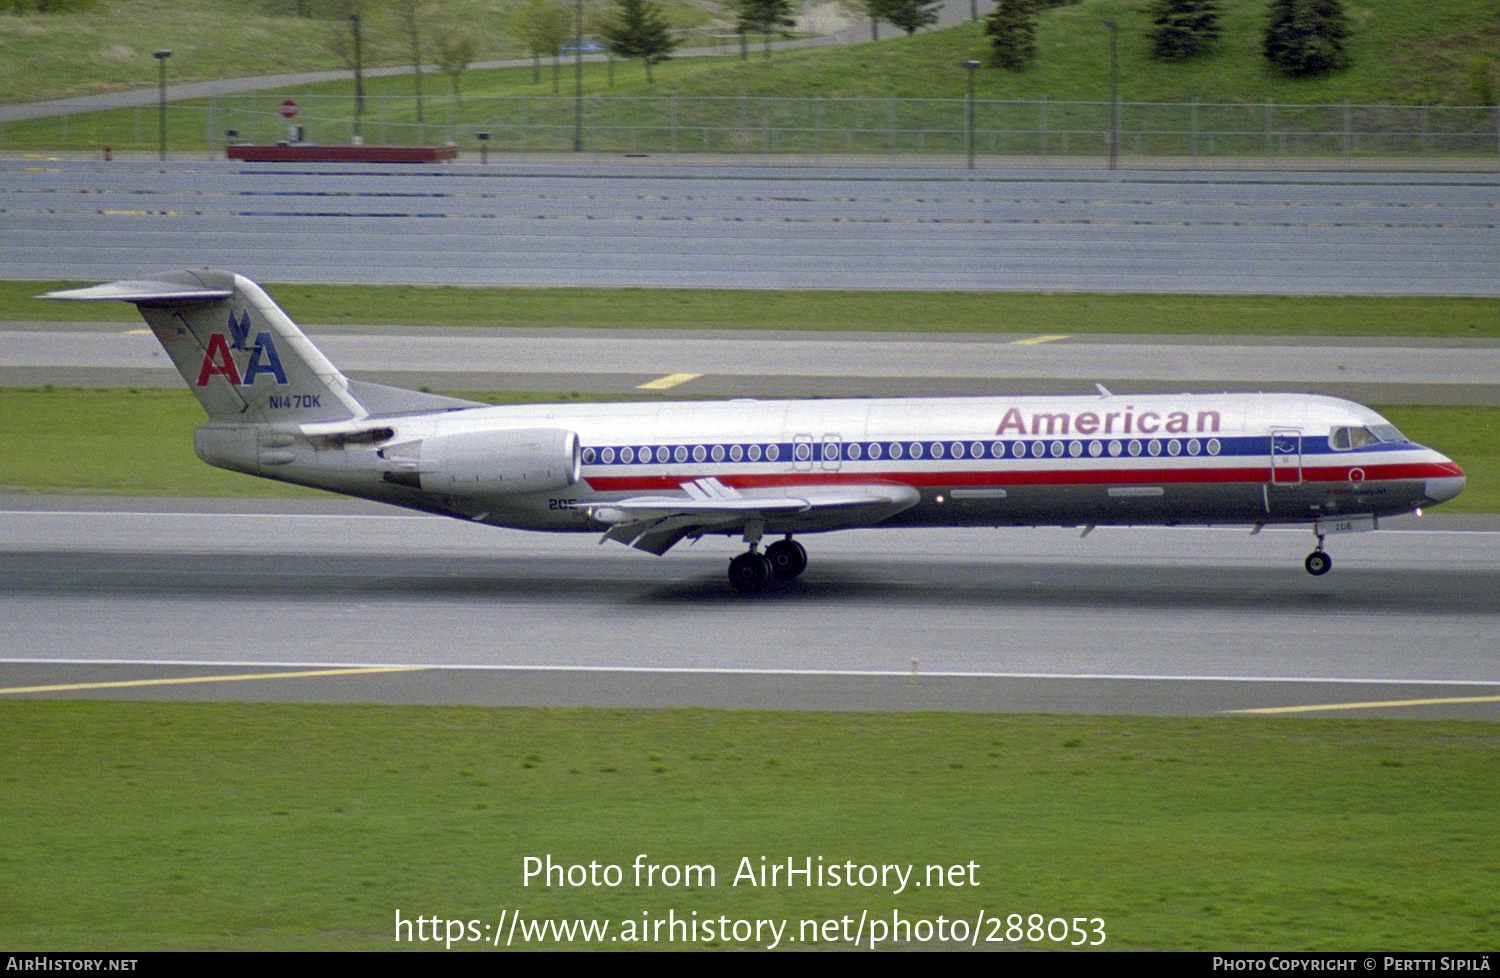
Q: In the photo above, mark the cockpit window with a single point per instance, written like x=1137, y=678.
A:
x=1344, y=439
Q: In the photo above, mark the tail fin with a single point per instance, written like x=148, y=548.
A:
x=244, y=359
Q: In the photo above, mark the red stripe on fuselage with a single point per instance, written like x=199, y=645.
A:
x=1055, y=477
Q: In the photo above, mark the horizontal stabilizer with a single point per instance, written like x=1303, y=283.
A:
x=174, y=287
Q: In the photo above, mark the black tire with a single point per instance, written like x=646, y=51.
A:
x=750, y=573
x=788, y=559
x=1318, y=563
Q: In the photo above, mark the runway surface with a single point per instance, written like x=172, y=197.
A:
x=727, y=227
x=210, y=600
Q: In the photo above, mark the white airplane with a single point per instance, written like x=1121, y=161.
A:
x=651, y=474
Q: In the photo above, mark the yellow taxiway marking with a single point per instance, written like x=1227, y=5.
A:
x=209, y=679
x=1370, y=706
x=1037, y=339
x=670, y=380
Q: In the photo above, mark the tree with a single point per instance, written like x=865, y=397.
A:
x=410, y=15
x=1306, y=37
x=765, y=17
x=639, y=30
x=871, y=9
x=1012, y=34
x=543, y=27
x=1184, y=28
x=454, y=54
x=909, y=15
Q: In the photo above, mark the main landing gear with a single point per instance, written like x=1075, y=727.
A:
x=751, y=571
x=1318, y=563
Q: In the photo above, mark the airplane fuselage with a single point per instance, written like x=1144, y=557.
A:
x=1121, y=459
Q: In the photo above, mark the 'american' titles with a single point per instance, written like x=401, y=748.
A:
x=1125, y=422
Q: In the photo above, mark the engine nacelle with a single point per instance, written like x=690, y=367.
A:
x=504, y=462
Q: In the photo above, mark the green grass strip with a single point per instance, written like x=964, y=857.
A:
x=138, y=826
x=950, y=312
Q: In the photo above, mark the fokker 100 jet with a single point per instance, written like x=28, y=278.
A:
x=650, y=475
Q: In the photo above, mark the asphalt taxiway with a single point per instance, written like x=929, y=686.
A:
x=341, y=601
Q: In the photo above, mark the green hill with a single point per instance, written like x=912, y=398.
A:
x=1404, y=51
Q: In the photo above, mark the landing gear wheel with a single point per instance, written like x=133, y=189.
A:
x=788, y=559
x=750, y=572
x=1318, y=563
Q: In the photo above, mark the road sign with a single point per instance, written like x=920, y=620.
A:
x=289, y=109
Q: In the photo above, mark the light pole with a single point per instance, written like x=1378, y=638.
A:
x=161, y=104
x=1114, y=91
x=969, y=127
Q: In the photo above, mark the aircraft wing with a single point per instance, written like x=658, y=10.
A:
x=656, y=523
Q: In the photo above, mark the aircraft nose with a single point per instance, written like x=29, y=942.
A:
x=1442, y=488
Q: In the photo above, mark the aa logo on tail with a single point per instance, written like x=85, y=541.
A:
x=219, y=360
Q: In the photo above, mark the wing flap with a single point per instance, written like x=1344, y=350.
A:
x=656, y=523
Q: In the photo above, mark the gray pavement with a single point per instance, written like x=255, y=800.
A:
x=1173, y=622
x=1354, y=234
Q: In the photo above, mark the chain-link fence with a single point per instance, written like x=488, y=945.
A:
x=894, y=128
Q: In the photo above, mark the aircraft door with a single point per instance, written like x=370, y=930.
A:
x=1286, y=457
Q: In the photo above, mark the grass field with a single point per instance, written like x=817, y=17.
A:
x=146, y=826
